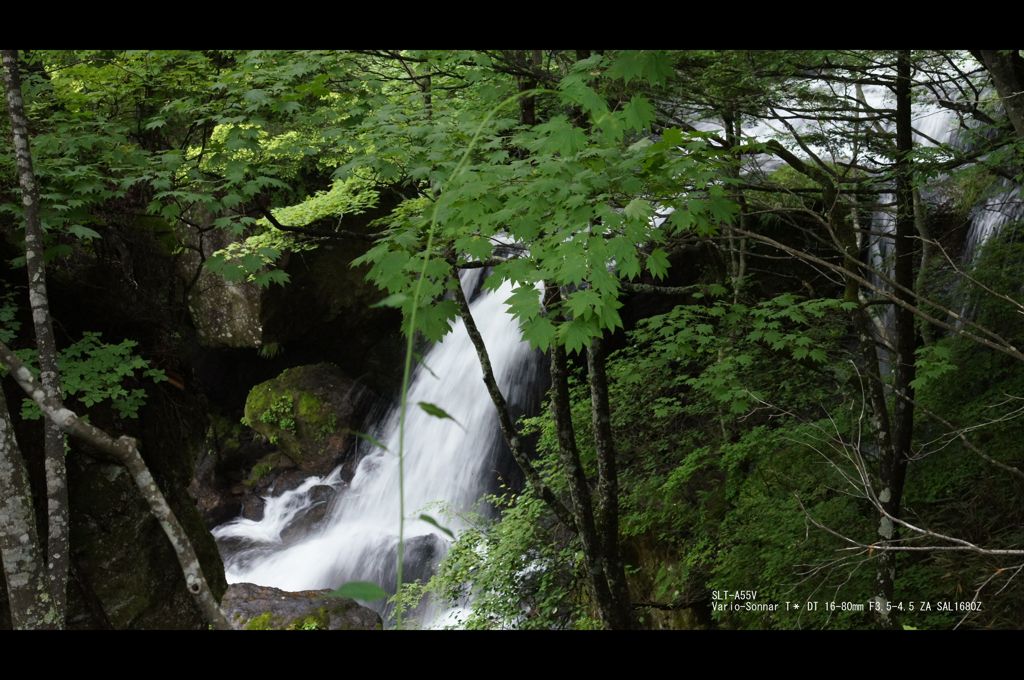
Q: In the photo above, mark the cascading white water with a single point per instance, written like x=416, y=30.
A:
x=447, y=464
x=991, y=216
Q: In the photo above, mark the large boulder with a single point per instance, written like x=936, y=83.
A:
x=309, y=413
x=225, y=313
x=327, y=311
x=125, y=572
x=252, y=607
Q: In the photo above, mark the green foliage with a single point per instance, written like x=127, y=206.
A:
x=254, y=258
x=433, y=522
x=519, y=570
x=259, y=471
x=709, y=481
x=580, y=199
x=94, y=372
x=933, y=362
x=280, y=413
x=436, y=411
x=9, y=324
x=261, y=622
x=318, y=621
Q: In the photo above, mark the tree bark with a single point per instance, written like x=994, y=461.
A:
x=125, y=450
x=46, y=346
x=579, y=489
x=892, y=460
x=27, y=591
x=528, y=104
x=1007, y=70
x=607, y=507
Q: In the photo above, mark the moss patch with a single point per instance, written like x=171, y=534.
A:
x=261, y=622
x=306, y=411
x=318, y=620
x=264, y=466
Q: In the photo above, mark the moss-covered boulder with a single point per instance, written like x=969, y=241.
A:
x=309, y=413
x=252, y=607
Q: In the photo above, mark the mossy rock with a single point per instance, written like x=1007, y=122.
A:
x=252, y=607
x=309, y=413
x=265, y=467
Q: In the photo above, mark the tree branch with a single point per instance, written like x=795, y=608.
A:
x=319, y=233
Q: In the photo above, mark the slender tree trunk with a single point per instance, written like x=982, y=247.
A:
x=54, y=441
x=894, y=465
x=921, y=225
x=847, y=238
x=607, y=507
x=125, y=450
x=27, y=591
x=581, y=518
x=528, y=104
x=737, y=245
x=579, y=489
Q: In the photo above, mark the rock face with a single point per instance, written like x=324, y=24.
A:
x=326, y=312
x=127, y=572
x=233, y=462
x=124, y=573
x=225, y=313
x=308, y=412
x=252, y=607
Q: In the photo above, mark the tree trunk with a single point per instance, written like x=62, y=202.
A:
x=846, y=240
x=54, y=442
x=737, y=245
x=579, y=490
x=1007, y=70
x=894, y=462
x=528, y=104
x=27, y=590
x=607, y=507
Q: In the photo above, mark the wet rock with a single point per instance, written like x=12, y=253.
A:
x=309, y=519
x=252, y=507
x=234, y=461
x=123, y=560
x=421, y=556
x=252, y=607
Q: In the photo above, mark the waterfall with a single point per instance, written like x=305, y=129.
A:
x=449, y=465
x=988, y=218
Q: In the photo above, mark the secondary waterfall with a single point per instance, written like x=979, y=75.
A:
x=449, y=465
